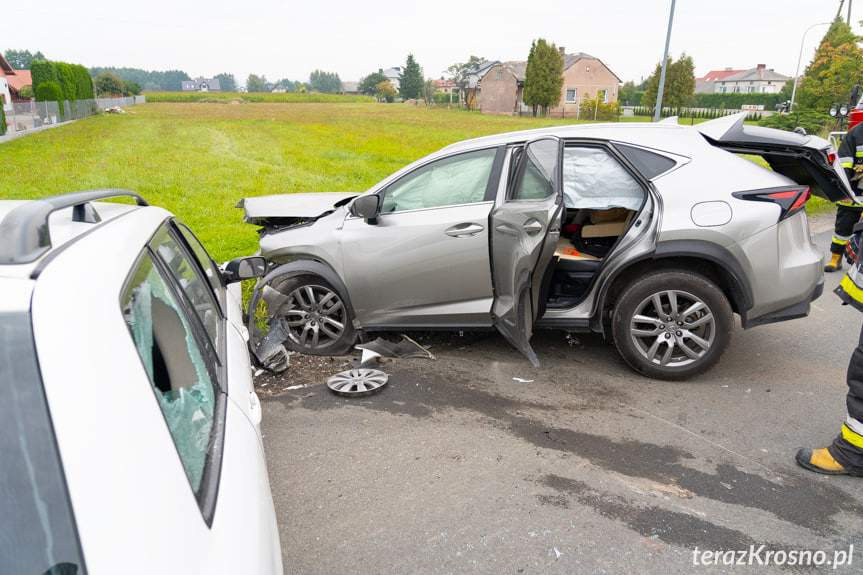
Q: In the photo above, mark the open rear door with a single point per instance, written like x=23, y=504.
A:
x=808, y=160
x=525, y=228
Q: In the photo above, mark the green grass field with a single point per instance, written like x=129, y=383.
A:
x=199, y=159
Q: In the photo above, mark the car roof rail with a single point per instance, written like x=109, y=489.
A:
x=24, y=234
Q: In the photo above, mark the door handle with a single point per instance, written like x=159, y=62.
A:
x=532, y=227
x=464, y=230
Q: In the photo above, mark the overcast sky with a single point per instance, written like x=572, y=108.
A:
x=290, y=39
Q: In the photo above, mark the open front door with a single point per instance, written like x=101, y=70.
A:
x=525, y=228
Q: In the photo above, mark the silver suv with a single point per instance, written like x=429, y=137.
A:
x=652, y=234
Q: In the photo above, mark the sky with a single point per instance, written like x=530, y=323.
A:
x=289, y=39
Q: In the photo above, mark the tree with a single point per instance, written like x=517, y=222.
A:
x=679, y=84
x=67, y=80
x=43, y=71
x=429, y=89
x=108, y=84
x=83, y=83
x=325, y=82
x=411, y=80
x=256, y=83
x=20, y=59
x=459, y=72
x=369, y=83
x=131, y=88
x=834, y=69
x=543, y=77
x=385, y=91
x=227, y=82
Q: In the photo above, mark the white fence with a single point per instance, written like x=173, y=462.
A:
x=30, y=115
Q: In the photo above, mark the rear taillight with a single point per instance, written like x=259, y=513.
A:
x=790, y=200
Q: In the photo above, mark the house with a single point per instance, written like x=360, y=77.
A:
x=11, y=82
x=201, y=85
x=277, y=89
x=707, y=83
x=758, y=80
x=394, y=75
x=472, y=83
x=352, y=88
x=584, y=77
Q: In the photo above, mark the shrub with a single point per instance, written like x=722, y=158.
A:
x=594, y=110
x=813, y=122
x=43, y=71
x=2, y=120
x=50, y=92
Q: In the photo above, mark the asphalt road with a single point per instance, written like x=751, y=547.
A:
x=457, y=466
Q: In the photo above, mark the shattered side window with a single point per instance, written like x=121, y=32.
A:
x=450, y=181
x=180, y=373
x=193, y=283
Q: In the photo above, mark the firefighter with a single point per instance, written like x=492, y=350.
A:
x=845, y=455
x=847, y=212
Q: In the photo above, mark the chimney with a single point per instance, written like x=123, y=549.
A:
x=762, y=66
x=562, y=51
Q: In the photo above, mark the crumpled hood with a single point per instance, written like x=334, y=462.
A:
x=285, y=209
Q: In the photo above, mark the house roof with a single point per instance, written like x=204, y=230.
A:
x=715, y=75
x=519, y=69
x=759, y=73
x=16, y=79
x=20, y=79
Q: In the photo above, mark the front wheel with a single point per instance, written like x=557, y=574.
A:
x=672, y=324
x=317, y=319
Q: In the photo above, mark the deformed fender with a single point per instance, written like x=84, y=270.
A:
x=298, y=268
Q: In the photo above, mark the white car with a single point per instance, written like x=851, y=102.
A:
x=130, y=437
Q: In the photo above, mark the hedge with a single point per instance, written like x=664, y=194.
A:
x=50, y=92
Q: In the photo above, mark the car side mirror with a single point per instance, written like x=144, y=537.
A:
x=367, y=207
x=246, y=268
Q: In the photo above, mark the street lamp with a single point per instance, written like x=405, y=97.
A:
x=800, y=57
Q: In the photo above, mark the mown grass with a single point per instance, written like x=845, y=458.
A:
x=253, y=97
x=199, y=159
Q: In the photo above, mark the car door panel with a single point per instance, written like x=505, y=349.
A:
x=525, y=230
x=420, y=267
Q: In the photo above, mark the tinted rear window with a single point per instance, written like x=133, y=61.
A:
x=37, y=530
x=648, y=163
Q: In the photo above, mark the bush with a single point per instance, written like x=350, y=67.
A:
x=2, y=120
x=50, y=92
x=591, y=110
x=813, y=122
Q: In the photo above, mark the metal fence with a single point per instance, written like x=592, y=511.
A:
x=30, y=115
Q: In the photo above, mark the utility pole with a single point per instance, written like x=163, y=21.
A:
x=658, y=113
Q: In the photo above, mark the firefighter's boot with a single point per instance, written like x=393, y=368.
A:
x=820, y=461
x=835, y=263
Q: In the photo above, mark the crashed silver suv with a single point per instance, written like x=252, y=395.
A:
x=651, y=234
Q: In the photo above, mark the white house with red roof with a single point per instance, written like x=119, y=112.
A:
x=11, y=82
x=707, y=83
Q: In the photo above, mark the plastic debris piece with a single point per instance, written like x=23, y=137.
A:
x=270, y=351
x=273, y=299
x=520, y=380
x=401, y=350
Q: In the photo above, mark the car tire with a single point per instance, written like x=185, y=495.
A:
x=315, y=315
x=684, y=338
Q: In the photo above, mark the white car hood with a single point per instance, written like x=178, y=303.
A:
x=301, y=206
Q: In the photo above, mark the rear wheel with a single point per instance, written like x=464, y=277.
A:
x=317, y=320
x=672, y=324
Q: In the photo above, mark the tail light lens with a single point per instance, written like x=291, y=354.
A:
x=790, y=200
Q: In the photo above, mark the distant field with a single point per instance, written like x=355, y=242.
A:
x=199, y=159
